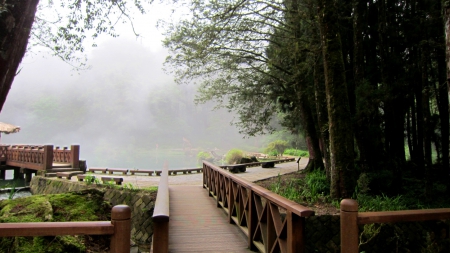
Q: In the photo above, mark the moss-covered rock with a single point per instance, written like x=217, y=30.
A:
x=87, y=205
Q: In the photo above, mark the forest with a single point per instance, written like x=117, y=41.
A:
x=365, y=82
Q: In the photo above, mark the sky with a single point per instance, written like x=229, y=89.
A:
x=115, y=97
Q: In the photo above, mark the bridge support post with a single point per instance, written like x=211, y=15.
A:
x=28, y=175
x=17, y=174
x=75, y=155
x=48, y=157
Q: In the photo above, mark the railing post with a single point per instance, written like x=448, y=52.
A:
x=48, y=157
x=252, y=220
x=296, y=233
x=161, y=214
x=75, y=155
x=161, y=235
x=121, y=219
x=349, y=226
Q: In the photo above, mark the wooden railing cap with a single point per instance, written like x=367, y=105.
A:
x=349, y=205
x=121, y=212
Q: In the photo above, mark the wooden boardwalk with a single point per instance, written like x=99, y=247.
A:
x=197, y=225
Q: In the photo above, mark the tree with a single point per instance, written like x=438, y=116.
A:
x=279, y=146
x=66, y=42
x=16, y=21
x=241, y=54
x=339, y=117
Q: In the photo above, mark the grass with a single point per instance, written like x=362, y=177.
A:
x=296, y=152
x=313, y=190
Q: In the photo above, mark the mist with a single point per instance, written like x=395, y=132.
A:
x=123, y=112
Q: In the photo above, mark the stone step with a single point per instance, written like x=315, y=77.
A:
x=50, y=174
x=62, y=170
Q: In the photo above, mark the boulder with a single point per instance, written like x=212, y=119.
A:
x=268, y=164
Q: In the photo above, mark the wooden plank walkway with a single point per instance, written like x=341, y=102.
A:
x=197, y=225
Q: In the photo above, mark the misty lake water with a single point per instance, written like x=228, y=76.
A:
x=153, y=159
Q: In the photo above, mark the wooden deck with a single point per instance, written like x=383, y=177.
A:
x=197, y=225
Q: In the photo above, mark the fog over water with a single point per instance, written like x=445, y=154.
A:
x=123, y=112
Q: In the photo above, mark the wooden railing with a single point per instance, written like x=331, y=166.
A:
x=272, y=223
x=39, y=157
x=66, y=155
x=161, y=215
x=119, y=228
x=3, y=150
x=351, y=218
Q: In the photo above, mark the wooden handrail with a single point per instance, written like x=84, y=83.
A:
x=39, y=157
x=351, y=218
x=119, y=227
x=256, y=211
x=56, y=228
x=161, y=215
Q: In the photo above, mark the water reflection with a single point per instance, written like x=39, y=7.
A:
x=15, y=193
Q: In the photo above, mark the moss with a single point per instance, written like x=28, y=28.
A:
x=86, y=205
x=151, y=189
x=27, y=209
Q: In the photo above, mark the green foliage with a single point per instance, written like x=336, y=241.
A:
x=287, y=189
x=296, y=152
x=110, y=184
x=150, y=188
x=316, y=185
x=271, y=153
x=130, y=186
x=91, y=179
x=12, y=191
x=82, y=206
x=204, y=156
x=234, y=156
x=381, y=203
x=279, y=146
x=63, y=26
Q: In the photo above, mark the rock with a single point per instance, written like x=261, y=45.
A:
x=246, y=160
x=237, y=168
x=268, y=164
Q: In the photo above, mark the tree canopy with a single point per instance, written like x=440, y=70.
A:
x=378, y=66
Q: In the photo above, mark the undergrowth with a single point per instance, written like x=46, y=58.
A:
x=296, y=152
x=314, y=188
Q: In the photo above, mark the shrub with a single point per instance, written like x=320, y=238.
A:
x=316, y=185
x=204, y=156
x=234, y=156
x=296, y=152
x=279, y=146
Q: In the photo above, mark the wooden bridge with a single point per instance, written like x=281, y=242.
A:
x=227, y=214
x=33, y=158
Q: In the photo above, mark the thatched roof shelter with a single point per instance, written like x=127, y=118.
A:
x=8, y=128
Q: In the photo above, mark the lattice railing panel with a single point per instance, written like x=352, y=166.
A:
x=271, y=222
x=62, y=155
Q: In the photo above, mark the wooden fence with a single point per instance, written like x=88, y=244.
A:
x=351, y=218
x=39, y=157
x=272, y=223
x=161, y=215
x=119, y=228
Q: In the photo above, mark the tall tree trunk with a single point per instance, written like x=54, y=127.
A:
x=15, y=26
x=339, y=117
x=312, y=138
x=303, y=95
x=322, y=115
x=444, y=89
x=427, y=118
